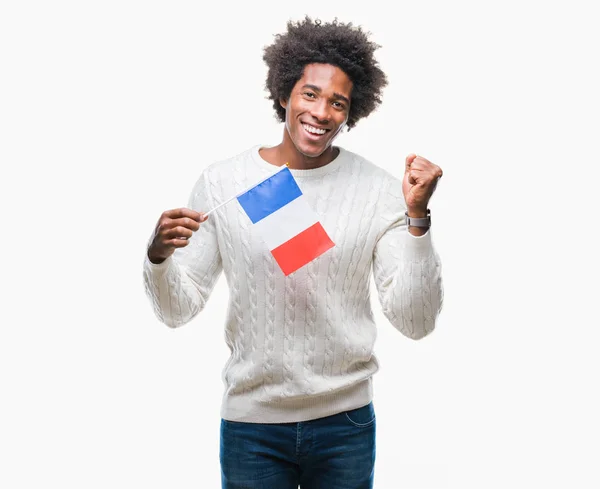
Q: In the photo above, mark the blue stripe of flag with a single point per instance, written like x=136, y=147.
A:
x=270, y=195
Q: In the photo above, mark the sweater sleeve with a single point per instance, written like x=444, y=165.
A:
x=179, y=287
x=407, y=270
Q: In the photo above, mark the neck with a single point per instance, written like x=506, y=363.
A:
x=286, y=152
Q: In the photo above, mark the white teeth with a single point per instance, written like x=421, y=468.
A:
x=313, y=130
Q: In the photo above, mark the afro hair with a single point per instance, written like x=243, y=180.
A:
x=335, y=43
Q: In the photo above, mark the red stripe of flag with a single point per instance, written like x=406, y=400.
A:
x=302, y=248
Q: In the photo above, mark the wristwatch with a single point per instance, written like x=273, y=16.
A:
x=419, y=222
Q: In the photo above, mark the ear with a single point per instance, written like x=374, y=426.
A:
x=283, y=103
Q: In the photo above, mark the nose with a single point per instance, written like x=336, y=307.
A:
x=321, y=111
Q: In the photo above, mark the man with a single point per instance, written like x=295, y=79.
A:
x=297, y=408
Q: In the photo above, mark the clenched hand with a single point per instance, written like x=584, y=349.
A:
x=420, y=179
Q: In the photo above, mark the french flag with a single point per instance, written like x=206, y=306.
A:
x=290, y=228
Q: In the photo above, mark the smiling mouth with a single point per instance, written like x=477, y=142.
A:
x=313, y=130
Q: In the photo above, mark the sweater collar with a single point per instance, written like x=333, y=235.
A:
x=314, y=172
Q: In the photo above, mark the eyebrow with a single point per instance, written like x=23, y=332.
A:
x=335, y=94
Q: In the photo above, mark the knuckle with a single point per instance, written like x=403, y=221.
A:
x=183, y=231
x=191, y=224
x=163, y=226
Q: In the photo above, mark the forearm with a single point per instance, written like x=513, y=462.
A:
x=411, y=290
x=175, y=298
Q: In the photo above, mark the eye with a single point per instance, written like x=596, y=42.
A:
x=309, y=94
x=339, y=105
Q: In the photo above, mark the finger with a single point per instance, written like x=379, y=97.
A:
x=182, y=212
x=185, y=222
x=426, y=167
x=409, y=159
x=178, y=243
x=433, y=170
x=423, y=160
x=412, y=177
x=423, y=177
x=418, y=164
x=421, y=164
x=179, y=232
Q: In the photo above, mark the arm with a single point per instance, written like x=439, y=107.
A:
x=407, y=273
x=179, y=287
x=406, y=267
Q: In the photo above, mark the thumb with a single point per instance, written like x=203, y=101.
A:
x=409, y=159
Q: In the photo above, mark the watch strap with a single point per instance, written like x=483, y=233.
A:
x=419, y=222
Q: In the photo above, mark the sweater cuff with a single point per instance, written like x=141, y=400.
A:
x=418, y=248
x=157, y=270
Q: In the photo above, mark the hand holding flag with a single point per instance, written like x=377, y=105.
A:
x=172, y=231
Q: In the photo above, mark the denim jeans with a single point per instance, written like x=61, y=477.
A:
x=334, y=452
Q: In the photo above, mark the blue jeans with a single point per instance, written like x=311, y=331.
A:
x=335, y=452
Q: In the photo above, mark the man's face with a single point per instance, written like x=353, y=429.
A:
x=318, y=108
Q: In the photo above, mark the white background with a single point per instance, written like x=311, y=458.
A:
x=110, y=110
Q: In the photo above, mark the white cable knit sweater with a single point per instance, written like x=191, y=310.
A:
x=302, y=346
